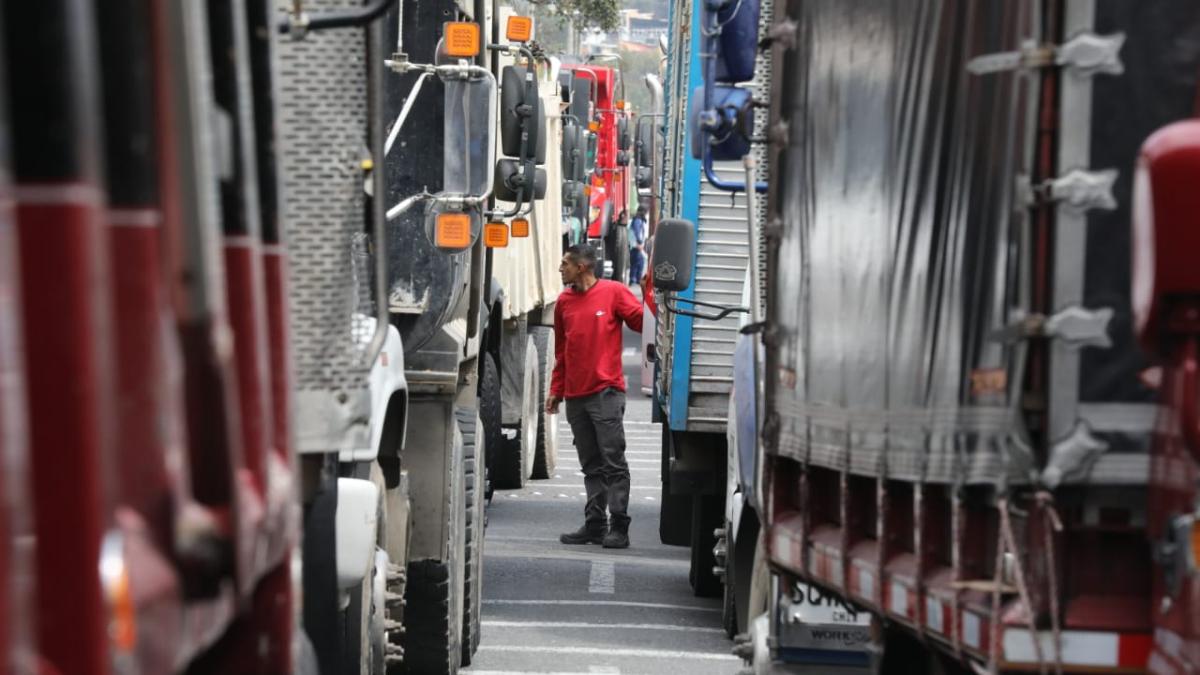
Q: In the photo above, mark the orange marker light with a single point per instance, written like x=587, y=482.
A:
x=587, y=190
x=453, y=230
x=462, y=38
x=520, y=227
x=1195, y=543
x=519, y=29
x=495, y=235
x=620, y=105
x=593, y=126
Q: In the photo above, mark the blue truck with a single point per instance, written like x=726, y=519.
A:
x=694, y=355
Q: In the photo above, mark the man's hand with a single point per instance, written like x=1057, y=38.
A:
x=552, y=402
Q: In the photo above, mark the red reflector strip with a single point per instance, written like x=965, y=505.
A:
x=1134, y=649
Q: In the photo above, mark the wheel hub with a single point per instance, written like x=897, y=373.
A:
x=389, y=598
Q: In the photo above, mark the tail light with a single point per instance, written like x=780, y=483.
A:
x=118, y=597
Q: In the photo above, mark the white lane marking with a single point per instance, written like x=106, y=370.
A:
x=603, y=577
x=563, y=496
x=530, y=672
x=566, y=486
x=607, y=603
x=591, y=626
x=513, y=551
x=537, y=493
x=610, y=652
x=649, y=498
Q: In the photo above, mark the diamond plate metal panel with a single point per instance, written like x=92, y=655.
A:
x=323, y=106
x=323, y=138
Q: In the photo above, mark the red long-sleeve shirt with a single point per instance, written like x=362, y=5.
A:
x=587, y=338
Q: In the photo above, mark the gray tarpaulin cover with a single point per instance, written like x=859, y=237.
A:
x=904, y=249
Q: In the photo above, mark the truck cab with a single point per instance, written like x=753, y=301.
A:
x=609, y=183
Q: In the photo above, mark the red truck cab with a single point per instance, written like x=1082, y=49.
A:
x=609, y=183
x=161, y=501
x=1166, y=304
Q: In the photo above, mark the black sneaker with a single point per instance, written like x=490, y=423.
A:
x=585, y=535
x=616, y=539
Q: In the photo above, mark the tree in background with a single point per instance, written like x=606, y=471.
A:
x=602, y=14
x=554, y=18
x=635, y=64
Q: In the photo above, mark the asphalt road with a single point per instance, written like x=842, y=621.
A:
x=551, y=608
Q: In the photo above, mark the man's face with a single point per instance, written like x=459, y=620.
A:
x=569, y=270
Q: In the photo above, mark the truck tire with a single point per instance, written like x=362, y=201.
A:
x=433, y=634
x=490, y=417
x=674, y=511
x=434, y=597
x=674, y=517
x=515, y=463
x=617, y=250
x=473, y=454
x=729, y=618
x=364, y=651
x=545, y=450
x=708, y=511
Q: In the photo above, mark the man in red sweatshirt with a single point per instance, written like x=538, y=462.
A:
x=588, y=374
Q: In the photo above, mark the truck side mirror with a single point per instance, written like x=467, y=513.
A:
x=572, y=152
x=731, y=119
x=510, y=178
x=581, y=99
x=564, y=86
x=674, y=255
x=643, y=153
x=589, y=156
x=643, y=177
x=1166, y=237
x=645, y=143
x=572, y=193
x=521, y=113
x=737, y=40
x=468, y=154
x=623, y=135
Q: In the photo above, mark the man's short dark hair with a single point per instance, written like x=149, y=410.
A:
x=583, y=254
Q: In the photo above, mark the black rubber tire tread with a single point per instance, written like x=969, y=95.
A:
x=427, y=620
x=473, y=563
x=674, y=511
x=506, y=464
x=674, y=518
x=322, y=613
x=490, y=415
x=543, y=336
x=708, y=512
x=354, y=623
x=729, y=618
x=617, y=250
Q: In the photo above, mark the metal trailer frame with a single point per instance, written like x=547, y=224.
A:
x=918, y=543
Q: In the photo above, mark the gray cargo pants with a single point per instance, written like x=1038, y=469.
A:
x=598, y=424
